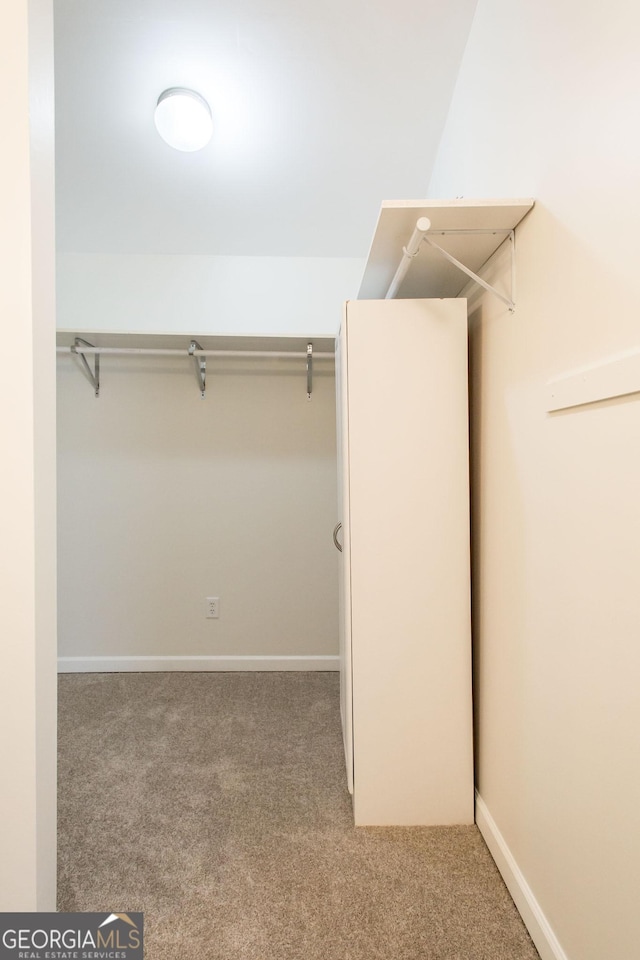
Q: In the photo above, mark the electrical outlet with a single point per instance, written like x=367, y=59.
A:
x=213, y=608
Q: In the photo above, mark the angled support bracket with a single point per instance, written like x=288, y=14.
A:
x=201, y=367
x=309, y=370
x=93, y=376
x=509, y=301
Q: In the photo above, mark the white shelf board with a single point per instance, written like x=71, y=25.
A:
x=176, y=341
x=430, y=275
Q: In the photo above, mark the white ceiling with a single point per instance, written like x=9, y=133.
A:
x=321, y=113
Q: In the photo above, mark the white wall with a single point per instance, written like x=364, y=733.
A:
x=166, y=498
x=272, y=296
x=546, y=106
x=27, y=510
x=232, y=497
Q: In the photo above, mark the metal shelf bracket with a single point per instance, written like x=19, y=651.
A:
x=309, y=370
x=201, y=367
x=511, y=236
x=93, y=376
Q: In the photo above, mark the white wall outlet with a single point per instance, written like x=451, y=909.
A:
x=213, y=608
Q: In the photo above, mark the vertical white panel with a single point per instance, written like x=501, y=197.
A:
x=409, y=550
x=27, y=508
x=346, y=683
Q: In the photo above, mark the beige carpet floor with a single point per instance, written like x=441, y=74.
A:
x=217, y=804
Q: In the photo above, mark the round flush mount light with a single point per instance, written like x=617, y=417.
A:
x=183, y=119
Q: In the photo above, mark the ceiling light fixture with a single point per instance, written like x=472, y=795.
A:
x=183, y=119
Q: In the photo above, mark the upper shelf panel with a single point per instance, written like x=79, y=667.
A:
x=430, y=274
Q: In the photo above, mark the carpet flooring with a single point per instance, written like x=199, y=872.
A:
x=217, y=805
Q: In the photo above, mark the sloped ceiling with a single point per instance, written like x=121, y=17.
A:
x=321, y=112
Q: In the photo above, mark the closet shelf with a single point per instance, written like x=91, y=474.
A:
x=425, y=249
x=181, y=341
x=96, y=345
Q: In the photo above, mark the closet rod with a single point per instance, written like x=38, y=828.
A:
x=160, y=352
x=408, y=253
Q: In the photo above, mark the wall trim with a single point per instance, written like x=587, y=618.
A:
x=149, y=664
x=539, y=928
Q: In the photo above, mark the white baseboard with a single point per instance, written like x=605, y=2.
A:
x=191, y=664
x=534, y=919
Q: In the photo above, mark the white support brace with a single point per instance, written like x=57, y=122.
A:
x=419, y=236
x=474, y=276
